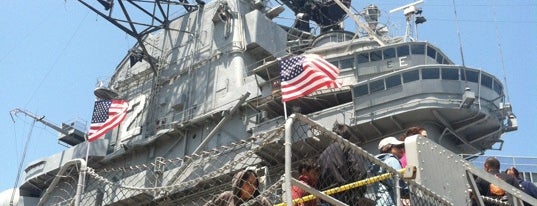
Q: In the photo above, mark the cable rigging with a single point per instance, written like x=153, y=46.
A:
x=21, y=163
x=57, y=59
x=500, y=50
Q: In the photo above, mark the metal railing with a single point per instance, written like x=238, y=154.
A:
x=207, y=175
x=527, y=166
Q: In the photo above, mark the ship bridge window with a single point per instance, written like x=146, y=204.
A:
x=450, y=74
x=530, y=176
x=472, y=76
x=430, y=73
x=335, y=63
x=439, y=58
x=389, y=53
x=418, y=49
x=346, y=63
x=376, y=86
x=363, y=58
x=431, y=52
x=376, y=55
x=411, y=76
x=486, y=80
x=498, y=87
x=338, y=38
x=361, y=90
x=393, y=81
x=403, y=50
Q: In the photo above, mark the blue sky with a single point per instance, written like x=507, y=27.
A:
x=53, y=52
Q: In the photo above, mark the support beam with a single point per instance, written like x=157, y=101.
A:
x=396, y=122
x=448, y=126
x=376, y=128
x=370, y=32
x=210, y=136
x=221, y=123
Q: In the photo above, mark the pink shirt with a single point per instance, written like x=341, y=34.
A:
x=403, y=160
x=296, y=192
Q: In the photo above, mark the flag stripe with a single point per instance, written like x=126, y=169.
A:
x=302, y=75
x=317, y=62
x=107, y=127
x=107, y=115
x=304, y=82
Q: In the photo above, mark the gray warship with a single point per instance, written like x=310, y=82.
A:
x=205, y=102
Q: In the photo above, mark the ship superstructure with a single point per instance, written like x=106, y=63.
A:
x=205, y=101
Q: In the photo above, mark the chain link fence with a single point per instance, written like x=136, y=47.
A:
x=251, y=171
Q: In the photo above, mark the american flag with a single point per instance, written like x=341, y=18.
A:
x=301, y=75
x=107, y=114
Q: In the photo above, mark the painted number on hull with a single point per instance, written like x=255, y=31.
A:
x=131, y=125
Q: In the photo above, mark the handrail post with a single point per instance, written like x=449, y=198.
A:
x=287, y=174
x=56, y=180
x=81, y=181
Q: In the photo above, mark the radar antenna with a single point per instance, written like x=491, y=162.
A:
x=411, y=12
x=512, y=122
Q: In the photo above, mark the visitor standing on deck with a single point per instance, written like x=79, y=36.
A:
x=528, y=187
x=339, y=165
x=492, y=166
x=409, y=132
x=309, y=175
x=391, y=150
x=245, y=187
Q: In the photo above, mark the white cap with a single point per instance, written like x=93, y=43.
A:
x=389, y=140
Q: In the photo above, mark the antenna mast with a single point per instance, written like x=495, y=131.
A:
x=411, y=12
x=69, y=134
x=459, y=34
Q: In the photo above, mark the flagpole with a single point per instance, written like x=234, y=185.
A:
x=101, y=109
x=87, y=148
x=285, y=110
x=82, y=175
